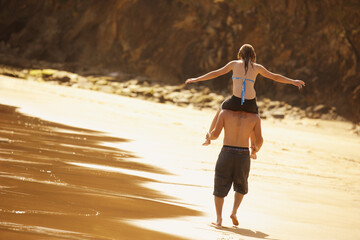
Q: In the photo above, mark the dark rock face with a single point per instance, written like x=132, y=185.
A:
x=169, y=41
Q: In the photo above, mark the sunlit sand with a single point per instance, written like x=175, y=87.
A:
x=78, y=164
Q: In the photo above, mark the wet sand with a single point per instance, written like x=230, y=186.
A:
x=77, y=164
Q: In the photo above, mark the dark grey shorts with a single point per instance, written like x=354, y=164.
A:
x=232, y=167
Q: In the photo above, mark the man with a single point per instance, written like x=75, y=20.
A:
x=233, y=164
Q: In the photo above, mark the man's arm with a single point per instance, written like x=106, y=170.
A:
x=253, y=147
x=213, y=74
x=214, y=134
x=279, y=78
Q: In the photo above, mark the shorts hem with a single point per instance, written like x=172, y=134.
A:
x=217, y=194
x=241, y=192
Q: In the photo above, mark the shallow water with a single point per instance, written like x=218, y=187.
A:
x=48, y=189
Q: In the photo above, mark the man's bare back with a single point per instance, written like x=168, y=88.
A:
x=238, y=127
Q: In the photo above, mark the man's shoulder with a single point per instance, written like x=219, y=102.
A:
x=225, y=112
x=257, y=119
x=255, y=116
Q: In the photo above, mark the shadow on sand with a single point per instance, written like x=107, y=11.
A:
x=244, y=232
x=43, y=194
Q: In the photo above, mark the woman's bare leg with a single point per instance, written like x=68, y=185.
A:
x=252, y=140
x=212, y=126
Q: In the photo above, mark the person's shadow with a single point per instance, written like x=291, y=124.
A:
x=245, y=232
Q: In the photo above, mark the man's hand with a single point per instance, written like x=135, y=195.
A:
x=299, y=83
x=254, y=150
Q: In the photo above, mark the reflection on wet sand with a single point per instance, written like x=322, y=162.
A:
x=47, y=190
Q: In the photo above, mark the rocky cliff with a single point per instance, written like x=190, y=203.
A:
x=170, y=40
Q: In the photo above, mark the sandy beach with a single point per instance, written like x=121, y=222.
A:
x=80, y=164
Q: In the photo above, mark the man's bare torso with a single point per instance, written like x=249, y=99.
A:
x=238, y=127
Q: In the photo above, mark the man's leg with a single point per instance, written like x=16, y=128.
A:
x=237, y=200
x=219, y=202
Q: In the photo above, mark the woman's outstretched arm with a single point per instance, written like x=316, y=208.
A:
x=213, y=74
x=279, y=78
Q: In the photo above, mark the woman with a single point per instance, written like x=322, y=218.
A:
x=245, y=71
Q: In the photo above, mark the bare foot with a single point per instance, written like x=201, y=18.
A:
x=217, y=223
x=234, y=219
x=207, y=142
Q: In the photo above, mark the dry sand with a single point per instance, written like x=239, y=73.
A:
x=77, y=164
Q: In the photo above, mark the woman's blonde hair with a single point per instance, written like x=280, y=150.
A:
x=247, y=53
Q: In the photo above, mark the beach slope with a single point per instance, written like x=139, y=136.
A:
x=78, y=164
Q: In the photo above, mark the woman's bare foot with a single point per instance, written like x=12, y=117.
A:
x=207, y=142
x=234, y=219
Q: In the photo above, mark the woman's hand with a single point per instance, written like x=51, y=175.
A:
x=190, y=80
x=299, y=83
x=207, y=137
